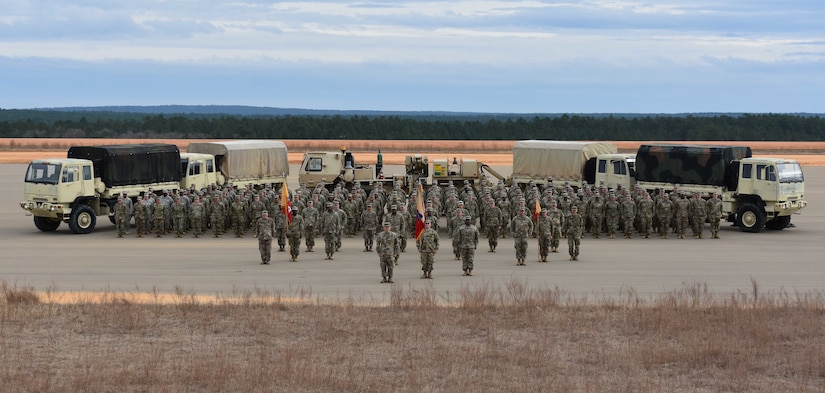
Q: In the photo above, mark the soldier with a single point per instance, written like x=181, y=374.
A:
x=522, y=227
x=682, y=212
x=714, y=209
x=330, y=224
x=369, y=223
x=664, y=213
x=255, y=209
x=217, y=217
x=456, y=222
x=611, y=216
x=397, y=222
x=596, y=216
x=557, y=217
x=310, y=214
x=281, y=222
x=179, y=217
x=197, y=212
x=645, y=215
x=294, y=233
x=342, y=223
x=468, y=241
x=264, y=230
x=492, y=223
x=427, y=244
x=387, y=247
x=140, y=218
x=628, y=215
x=351, y=210
x=159, y=217
x=573, y=228
x=544, y=229
x=121, y=217
x=698, y=214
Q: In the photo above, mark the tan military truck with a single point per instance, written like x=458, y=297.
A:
x=458, y=170
x=241, y=162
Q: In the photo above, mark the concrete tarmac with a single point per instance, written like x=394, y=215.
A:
x=787, y=260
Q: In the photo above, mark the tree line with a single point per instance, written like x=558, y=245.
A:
x=745, y=127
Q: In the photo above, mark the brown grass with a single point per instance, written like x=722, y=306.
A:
x=23, y=150
x=481, y=338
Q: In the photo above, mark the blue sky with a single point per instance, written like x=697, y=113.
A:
x=480, y=56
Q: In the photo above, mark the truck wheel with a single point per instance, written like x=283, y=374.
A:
x=779, y=223
x=749, y=218
x=46, y=224
x=83, y=219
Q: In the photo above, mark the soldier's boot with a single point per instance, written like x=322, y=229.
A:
x=469, y=272
x=494, y=249
x=280, y=248
x=665, y=236
x=466, y=272
x=389, y=280
x=383, y=280
x=396, y=261
x=575, y=257
x=700, y=236
x=430, y=274
x=423, y=275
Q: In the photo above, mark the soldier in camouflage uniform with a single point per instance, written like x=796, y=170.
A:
x=369, y=224
x=427, y=244
x=141, y=215
x=573, y=229
x=596, y=216
x=264, y=231
x=311, y=217
x=645, y=215
x=628, y=216
x=397, y=222
x=698, y=214
x=122, y=217
x=664, y=214
x=351, y=210
x=387, y=246
x=294, y=232
x=216, y=218
x=522, y=227
x=682, y=212
x=456, y=222
x=280, y=226
x=331, y=225
x=159, y=218
x=197, y=212
x=468, y=241
x=492, y=223
x=544, y=231
x=557, y=217
x=714, y=210
x=179, y=213
x=611, y=215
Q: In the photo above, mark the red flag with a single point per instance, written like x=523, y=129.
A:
x=419, y=216
x=286, y=204
x=537, y=210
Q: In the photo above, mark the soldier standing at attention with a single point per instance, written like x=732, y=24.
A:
x=310, y=214
x=628, y=216
x=545, y=234
x=217, y=216
x=369, y=223
x=121, y=217
x=387, y=247
x=611, y=215
x=264, y=231
x=714, y=208
x=179, y=217
x=331, y=224
x=664, y=213
x=159, y=217
x=646, y=207
x=493, y=225
x=573, y=228
x=596, y=216
x=140, y=218
x=427, y=244
x=682, y=213
x=557, y=217
x=467, y=241
x=294, y=233
x=522, y=228
x=197, y=212
x=698, y=213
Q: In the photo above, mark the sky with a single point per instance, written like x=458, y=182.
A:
x=532, y=56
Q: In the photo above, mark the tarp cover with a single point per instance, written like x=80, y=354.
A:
x=687, y=164
x=561, y=160
x=123, y=165
x=246, y=159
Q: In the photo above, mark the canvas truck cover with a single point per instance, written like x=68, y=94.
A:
x=130, y=164
x=246, y=159
x=561, y=160
x=688, y=164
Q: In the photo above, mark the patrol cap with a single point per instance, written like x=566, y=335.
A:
x=329, y=204
x=394, y=207
x=467, y=218
x=386, y=223
x=265, y=212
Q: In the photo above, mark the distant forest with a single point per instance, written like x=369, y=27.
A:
x=107, y=124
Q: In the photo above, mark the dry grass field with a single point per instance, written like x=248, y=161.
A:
x=487, y=339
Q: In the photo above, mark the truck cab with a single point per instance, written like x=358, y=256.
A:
x=198, y=170
x=63, y=189
x=616, y=169
x=769, y=191
x=334, y=167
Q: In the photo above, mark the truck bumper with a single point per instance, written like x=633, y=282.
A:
x=789, y=207
x=43, y=209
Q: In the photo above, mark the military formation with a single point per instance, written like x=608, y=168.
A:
x=387, y=217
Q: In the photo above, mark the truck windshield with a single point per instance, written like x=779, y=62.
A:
x=790, y=172
x=43, y=173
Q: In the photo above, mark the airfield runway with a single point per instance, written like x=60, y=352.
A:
x=790, y=260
